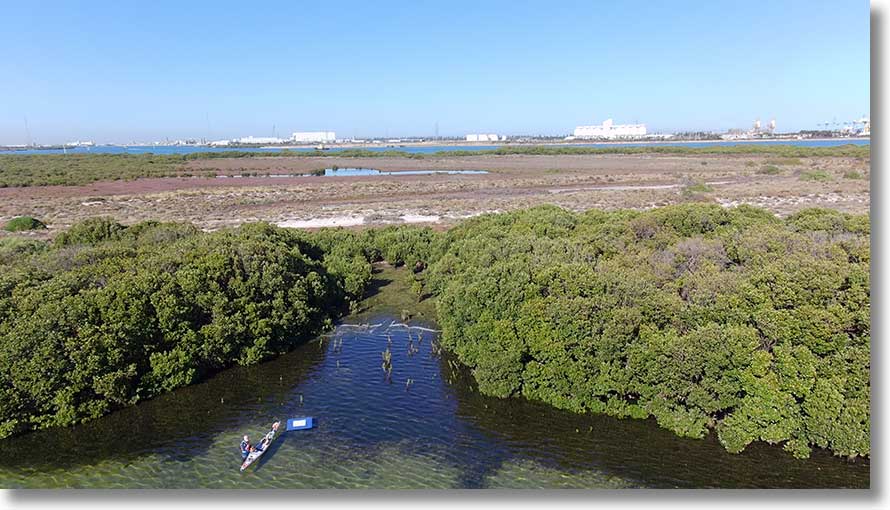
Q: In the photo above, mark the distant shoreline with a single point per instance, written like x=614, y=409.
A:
x=396, y=145
x=439, y=143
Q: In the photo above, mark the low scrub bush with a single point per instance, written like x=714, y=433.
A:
x=815, y=175
x=22, y=223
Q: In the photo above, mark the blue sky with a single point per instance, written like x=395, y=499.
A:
x=118, y=72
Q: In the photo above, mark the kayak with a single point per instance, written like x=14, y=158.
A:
x=254, y=455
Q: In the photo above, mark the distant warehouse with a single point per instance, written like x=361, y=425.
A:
x=610, y=130
x=314, y=136
x=255, y=140
x=248, y=140
x=485, y=138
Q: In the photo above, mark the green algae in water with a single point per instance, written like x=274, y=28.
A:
x=525, y=474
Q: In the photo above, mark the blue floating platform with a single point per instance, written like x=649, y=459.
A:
x=300, y=423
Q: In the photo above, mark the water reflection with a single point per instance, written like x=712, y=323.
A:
x=178, y=426
x=642, y=452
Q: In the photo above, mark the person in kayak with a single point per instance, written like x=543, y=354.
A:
x=246, y=447
x=268, y=438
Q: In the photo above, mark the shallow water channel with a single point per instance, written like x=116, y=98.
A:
x=434, y=432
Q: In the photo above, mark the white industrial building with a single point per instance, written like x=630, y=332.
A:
x=259, y=140
x=485, y=138
x=610, y=130
x=314, y=137
x=756, y=131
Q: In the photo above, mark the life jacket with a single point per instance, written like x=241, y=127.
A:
x=245, y=446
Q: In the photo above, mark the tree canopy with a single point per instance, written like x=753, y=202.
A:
x=702, y=317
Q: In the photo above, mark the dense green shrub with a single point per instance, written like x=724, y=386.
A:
x=402, y=244
x=90, y=231
x=347, y=256
x=14, y=248
x=21, y=223
x=830, y=221
x=110, y=315
x=702, y=317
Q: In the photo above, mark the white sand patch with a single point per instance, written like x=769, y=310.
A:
x=420, y=218
x=370, y=217
x=334, y=221
x=474, y=214
x=811, y=199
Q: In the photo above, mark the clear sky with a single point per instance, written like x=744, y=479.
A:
x=126, y=71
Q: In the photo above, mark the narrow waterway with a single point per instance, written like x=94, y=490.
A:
x=426, y=426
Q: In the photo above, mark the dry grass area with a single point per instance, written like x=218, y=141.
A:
x=577, y=182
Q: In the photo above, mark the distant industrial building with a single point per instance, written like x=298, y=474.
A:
x=314, y=137
x=756, y=131
x=485, y=138
x=610, y=130
x=259, y=140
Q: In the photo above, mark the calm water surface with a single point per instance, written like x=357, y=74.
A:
x=436, y=431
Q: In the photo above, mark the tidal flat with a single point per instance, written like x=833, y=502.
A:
x=782, y=185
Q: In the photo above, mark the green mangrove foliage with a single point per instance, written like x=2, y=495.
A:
x=702, y=317
x=14, y=248
x=398, y=245
x=73, y=169
x=107, y=315
x=403, y=245
x=21, y=223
